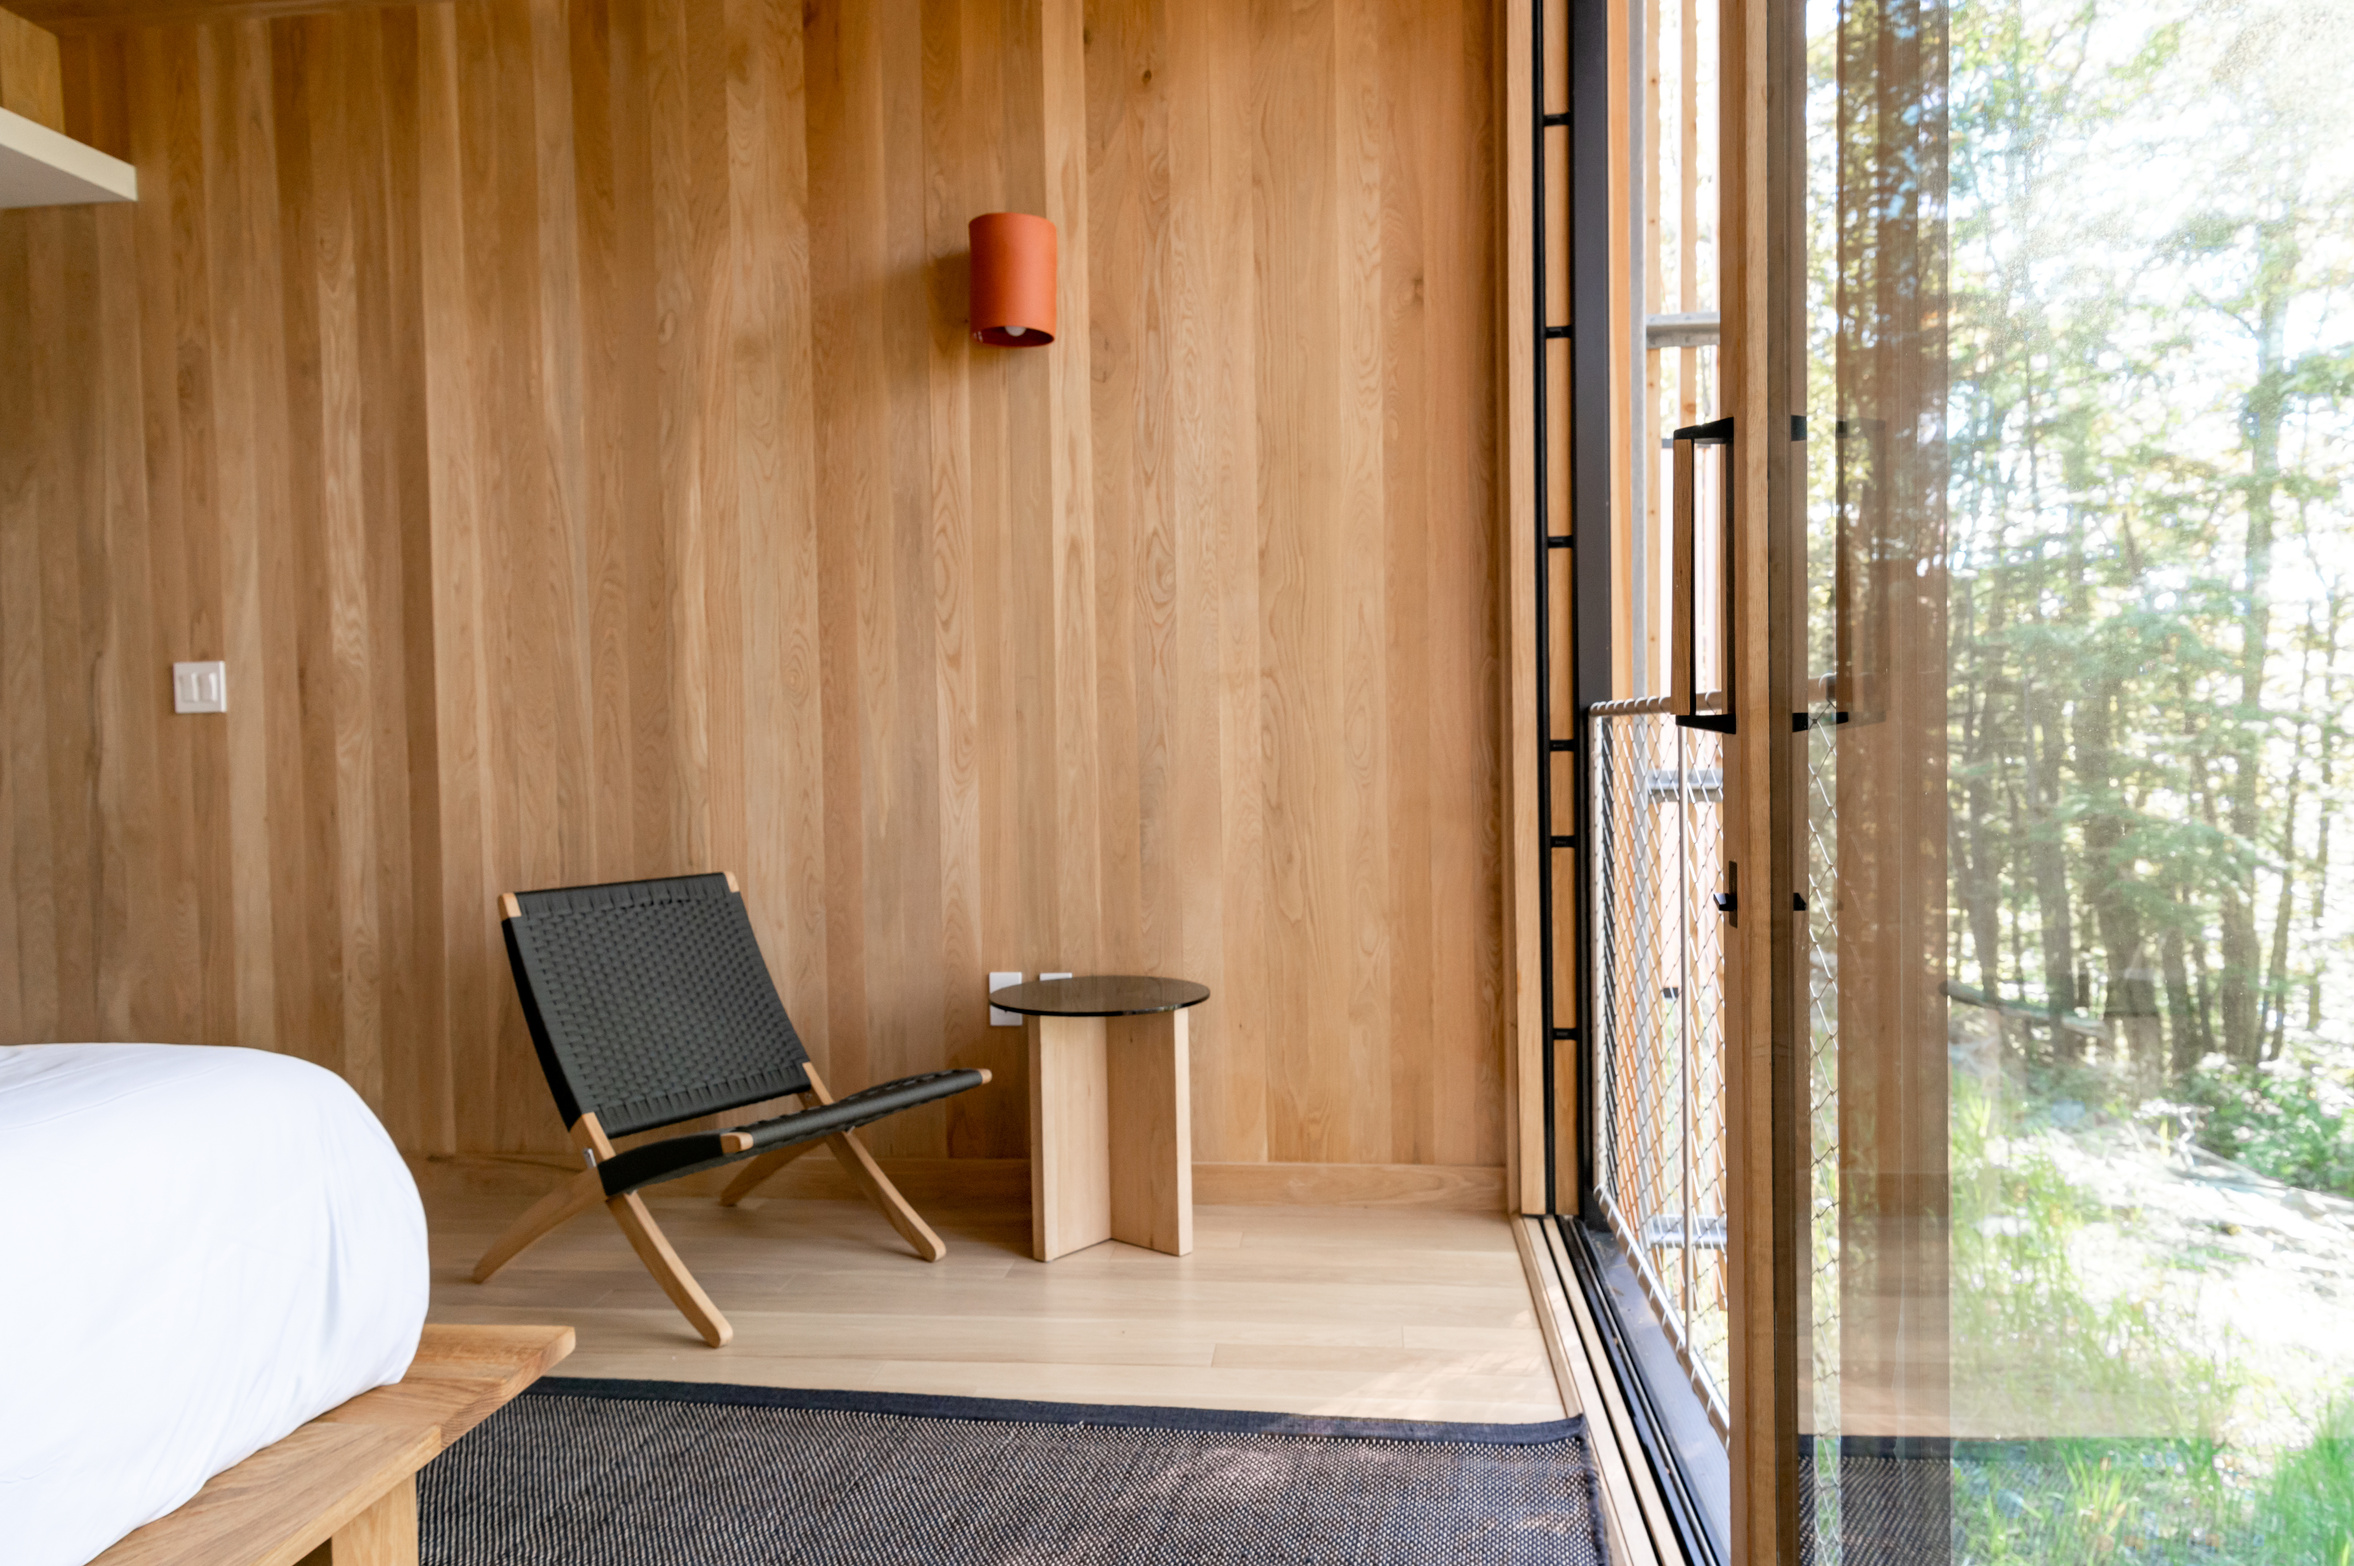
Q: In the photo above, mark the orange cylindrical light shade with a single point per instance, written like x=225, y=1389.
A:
x=1013, y=279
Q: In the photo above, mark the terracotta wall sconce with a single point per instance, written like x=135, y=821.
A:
x=1013, y=280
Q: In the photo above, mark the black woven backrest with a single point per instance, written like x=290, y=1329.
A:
x=650, y=1003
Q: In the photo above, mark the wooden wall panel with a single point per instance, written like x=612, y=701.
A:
x=561, y=415
x=32, y=81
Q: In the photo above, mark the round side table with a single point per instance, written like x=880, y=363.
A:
x=1111, y=1121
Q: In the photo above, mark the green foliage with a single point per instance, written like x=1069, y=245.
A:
x=2305, y=1516
x=2289, y=1121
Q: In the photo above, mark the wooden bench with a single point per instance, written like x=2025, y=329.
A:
x=342, y=1490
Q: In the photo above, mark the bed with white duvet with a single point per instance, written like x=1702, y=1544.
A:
x=200, y=1249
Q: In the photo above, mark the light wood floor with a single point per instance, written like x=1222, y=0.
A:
x=1389, y=1313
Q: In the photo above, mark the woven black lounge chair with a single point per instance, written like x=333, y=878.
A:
x=650, y=1004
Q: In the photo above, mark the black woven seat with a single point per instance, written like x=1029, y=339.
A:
x=685, y=1155
x=650, y=1004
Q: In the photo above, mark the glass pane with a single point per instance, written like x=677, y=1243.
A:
x=2080, y=1236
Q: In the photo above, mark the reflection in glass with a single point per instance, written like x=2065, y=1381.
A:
x=2080, y=1244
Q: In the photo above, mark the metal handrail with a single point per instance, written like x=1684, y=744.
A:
x=1638, y=706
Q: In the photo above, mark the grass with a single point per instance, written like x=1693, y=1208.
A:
x=2156, y=1503
x=2033, y=1348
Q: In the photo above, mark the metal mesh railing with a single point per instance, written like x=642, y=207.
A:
x=1659, y=1057
x=1819, y=1359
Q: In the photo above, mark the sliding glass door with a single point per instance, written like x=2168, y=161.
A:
x=2077, y=1132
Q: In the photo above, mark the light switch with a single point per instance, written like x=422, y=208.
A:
x=200, y=687
x=1003, y=1019
x=1042, y=978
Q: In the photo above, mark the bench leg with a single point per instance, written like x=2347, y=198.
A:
x=748, y=1179
x=653, y=1248
x=574, y=1197
x=383, y=1535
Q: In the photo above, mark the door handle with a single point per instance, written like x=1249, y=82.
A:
x=1702, y=583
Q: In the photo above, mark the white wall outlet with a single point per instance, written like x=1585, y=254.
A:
x=1042, y=978
x=1003, y=1019
x=200, y=687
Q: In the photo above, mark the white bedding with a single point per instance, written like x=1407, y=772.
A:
x=200, y=1249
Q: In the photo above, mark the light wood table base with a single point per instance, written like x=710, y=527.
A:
x=1111, y=1133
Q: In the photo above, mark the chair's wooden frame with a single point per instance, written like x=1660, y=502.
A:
x=586, y=1189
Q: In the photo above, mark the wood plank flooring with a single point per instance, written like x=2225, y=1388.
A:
x=1364, y=1312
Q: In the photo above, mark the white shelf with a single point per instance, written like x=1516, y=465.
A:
x=40, y=168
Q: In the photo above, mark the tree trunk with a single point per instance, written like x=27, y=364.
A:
x=2047, y=856
x=2179, y=1014
x=2329, y=781
x=2276, y=973
x=2267, y=402
x=2130, y=990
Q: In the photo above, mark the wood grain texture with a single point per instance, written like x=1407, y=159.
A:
x=292, y=1496
x=1397, y=1313
x=1762, y=359
x=68, y=17
x=1005, y=1182
x=341, y=1490
x=1149, y=1105
x=32, y=82
x=1636, y=1521
x=563, y=420
x=1070, y=1135
x=1455, y=1188
x=383, y=1535
x=1523, y=955
x=461, y=1375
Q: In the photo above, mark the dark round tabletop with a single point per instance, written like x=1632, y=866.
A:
x=1099, y=995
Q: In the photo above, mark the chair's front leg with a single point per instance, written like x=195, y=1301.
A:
x=869, y=1177
x=653, y=1248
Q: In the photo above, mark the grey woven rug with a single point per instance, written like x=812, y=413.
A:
x=635, y=1473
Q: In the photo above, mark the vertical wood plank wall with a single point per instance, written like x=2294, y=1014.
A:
x=561, y=417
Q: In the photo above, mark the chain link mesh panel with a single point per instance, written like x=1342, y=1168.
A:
x=1819, y=1417
x=1660, y=1009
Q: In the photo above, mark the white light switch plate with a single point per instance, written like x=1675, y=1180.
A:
x=1003, y=1019
x=1042, y=978
x=200, y=687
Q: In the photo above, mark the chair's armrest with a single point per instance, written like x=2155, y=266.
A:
x=671, y=1157
x=682, y=1155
